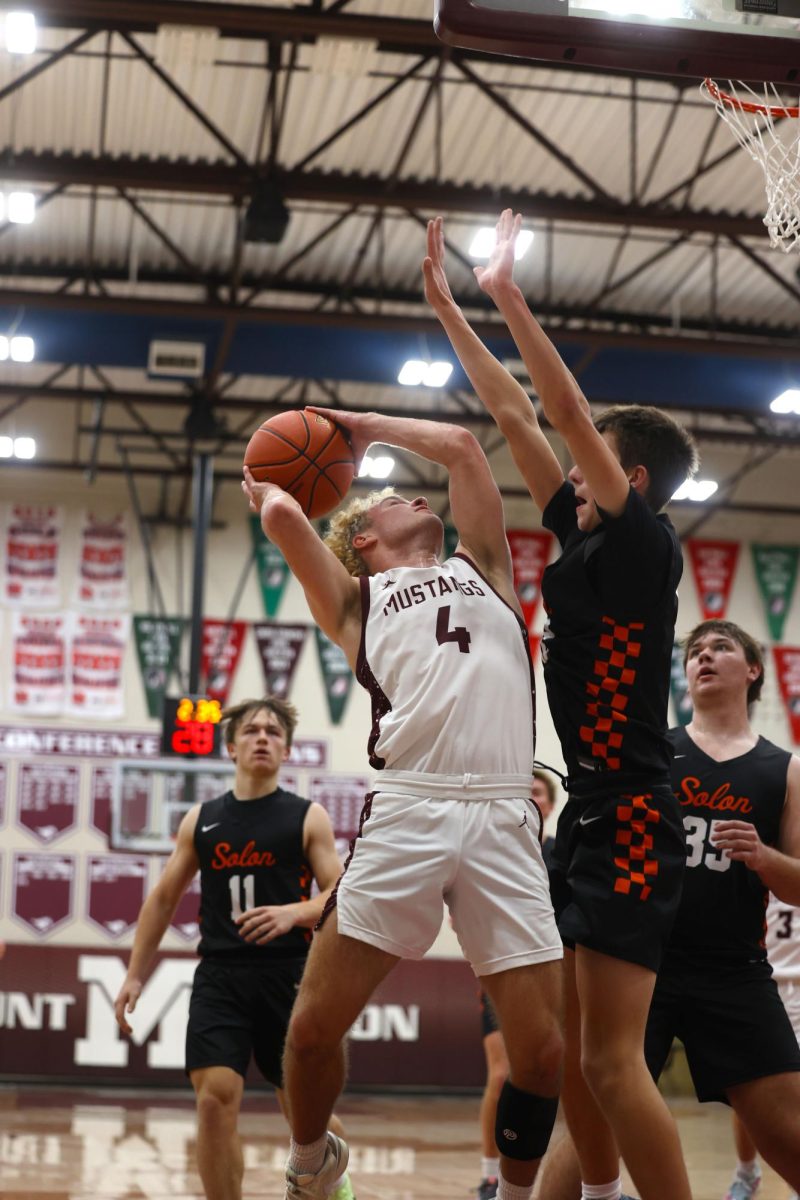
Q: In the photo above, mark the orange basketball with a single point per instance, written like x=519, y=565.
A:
x=305, y=454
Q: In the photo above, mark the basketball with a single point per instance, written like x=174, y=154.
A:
x=305, y=454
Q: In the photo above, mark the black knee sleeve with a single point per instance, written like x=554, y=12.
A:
x=524, y=1123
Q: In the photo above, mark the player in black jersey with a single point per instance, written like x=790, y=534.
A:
x=611, y=605
x=257, y=848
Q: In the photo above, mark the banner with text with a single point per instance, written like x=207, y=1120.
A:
x=787, y=663
x=103, y=563
x=39, y=664
x=679, y=688
x=222, y=649
x=279, y=648
x=272, y=568
x=96, y=655
x=158, y=648
x=336, y=675
x=530, y=552
x=776, y=573
x=714, y=565
x=31, y=571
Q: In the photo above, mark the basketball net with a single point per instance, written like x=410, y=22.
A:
x=770, y=133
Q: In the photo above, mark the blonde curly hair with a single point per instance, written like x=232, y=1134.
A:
x=344, y=526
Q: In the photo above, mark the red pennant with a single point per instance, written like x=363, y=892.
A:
x=714, y=565
x=530, y=551
x=222, y=648
x=787, y=662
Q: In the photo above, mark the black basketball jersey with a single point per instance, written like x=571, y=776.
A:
x=251, y=854
x=611, y=604
x=722, y=914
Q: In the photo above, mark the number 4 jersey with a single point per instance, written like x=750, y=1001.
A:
x=250, y=854
x=447, y=664
x=723, y=905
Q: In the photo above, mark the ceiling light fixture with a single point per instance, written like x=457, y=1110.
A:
x=20, y=32
x=696, y=489
x=787, y=402
x=376, y=466
x=416, y=373
x=483, y=243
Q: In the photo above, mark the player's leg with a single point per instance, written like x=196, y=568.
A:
x=770, y=1108
x=747, y=1176
x=343, y=1187
x=496, y=1074
x=560, y=1174
x=218, y=1092
x=614, y=998
x=528, y=1003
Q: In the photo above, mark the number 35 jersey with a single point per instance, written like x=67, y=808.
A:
x=447, y=664
x=250, y=854
x=723, y=905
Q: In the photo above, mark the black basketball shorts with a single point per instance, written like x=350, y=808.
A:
x=731, y=1021
x=489, y=1021
x=241, y=1010
x=616, y=873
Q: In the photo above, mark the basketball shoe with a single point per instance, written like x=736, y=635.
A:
x=318, y=1186
x=744, y=1187
x=344, y=1191
x=487, y=1189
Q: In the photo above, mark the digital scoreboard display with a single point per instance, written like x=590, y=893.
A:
x=190, y=727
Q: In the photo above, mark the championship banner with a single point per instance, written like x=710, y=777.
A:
x=47, y=799
x=776, y=573
x=31, y=576
x=222, y=649
x=342, y=796
x=714, y=565
x=97, y=651
x=530, y=552
x=42, y=891
x=336, y=675
x=279, y=648
x=158, y=648
x=103, y=563
x=679, y=688
x=787, y=663
x=115, y=891
x=39, y=664
x=272, y=568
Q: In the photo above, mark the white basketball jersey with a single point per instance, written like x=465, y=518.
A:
x=783, y=939
x=447, y=664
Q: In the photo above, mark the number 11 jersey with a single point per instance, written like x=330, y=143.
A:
x=447, y=664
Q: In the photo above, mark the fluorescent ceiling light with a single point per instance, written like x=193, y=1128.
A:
x=6, y=447
x=377, y=466
x=24, y=447
x=22, y=349
x=3, y=349
x=437, y=374
x=412, y=372
x=20, y=32
x=696, y=489
x=21, y=207
x=483, y=242
x=787, y=402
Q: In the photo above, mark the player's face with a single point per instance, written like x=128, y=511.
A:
x=260, y=746
x=541, y=796
x=716, y=666
x=395, y=521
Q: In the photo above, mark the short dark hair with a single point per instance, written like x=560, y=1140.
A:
x=753, y=652
x=548, y=782
x=650, y=438
x=235, y=715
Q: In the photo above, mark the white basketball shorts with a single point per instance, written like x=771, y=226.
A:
x=790, y=995
x=470, y=842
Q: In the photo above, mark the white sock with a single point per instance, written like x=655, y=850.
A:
x=748, y=1170
x=512, y=1191
x=602, y=1191
x=490, y=1168
x=307, y=1159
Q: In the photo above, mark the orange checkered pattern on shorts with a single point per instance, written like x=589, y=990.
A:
x=634, y=839
x=609, y=690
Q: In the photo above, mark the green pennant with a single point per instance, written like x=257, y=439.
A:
x=776, y=572
x=679, y=688
x=336, y=675
x=158, y=648
x=272, y=567
x=450, y=541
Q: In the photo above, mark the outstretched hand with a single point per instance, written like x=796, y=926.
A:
x=499, y=271
x=437, y=289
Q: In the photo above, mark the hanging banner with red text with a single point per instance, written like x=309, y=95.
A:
x=96, y=655
x=102, y=580
x=530, y=552
x=787, y=663
x=279, y=648
x=31, y=573
x=222, y=649
x=39, y=664
x=776, y=573
x=714, y=565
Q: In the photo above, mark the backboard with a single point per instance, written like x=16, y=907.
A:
x=753, y=40
x=149, y=798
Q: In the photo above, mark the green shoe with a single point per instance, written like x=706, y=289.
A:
x=344, y=1191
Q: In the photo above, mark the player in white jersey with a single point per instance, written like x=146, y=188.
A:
x=443, y=651
x=783, y=952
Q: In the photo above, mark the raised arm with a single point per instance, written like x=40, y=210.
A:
x=564, y=404
x=332, y=594
x=494, y=386
x=156, y=914
x=475, y=500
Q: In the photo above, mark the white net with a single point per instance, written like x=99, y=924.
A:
x=769, y=130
